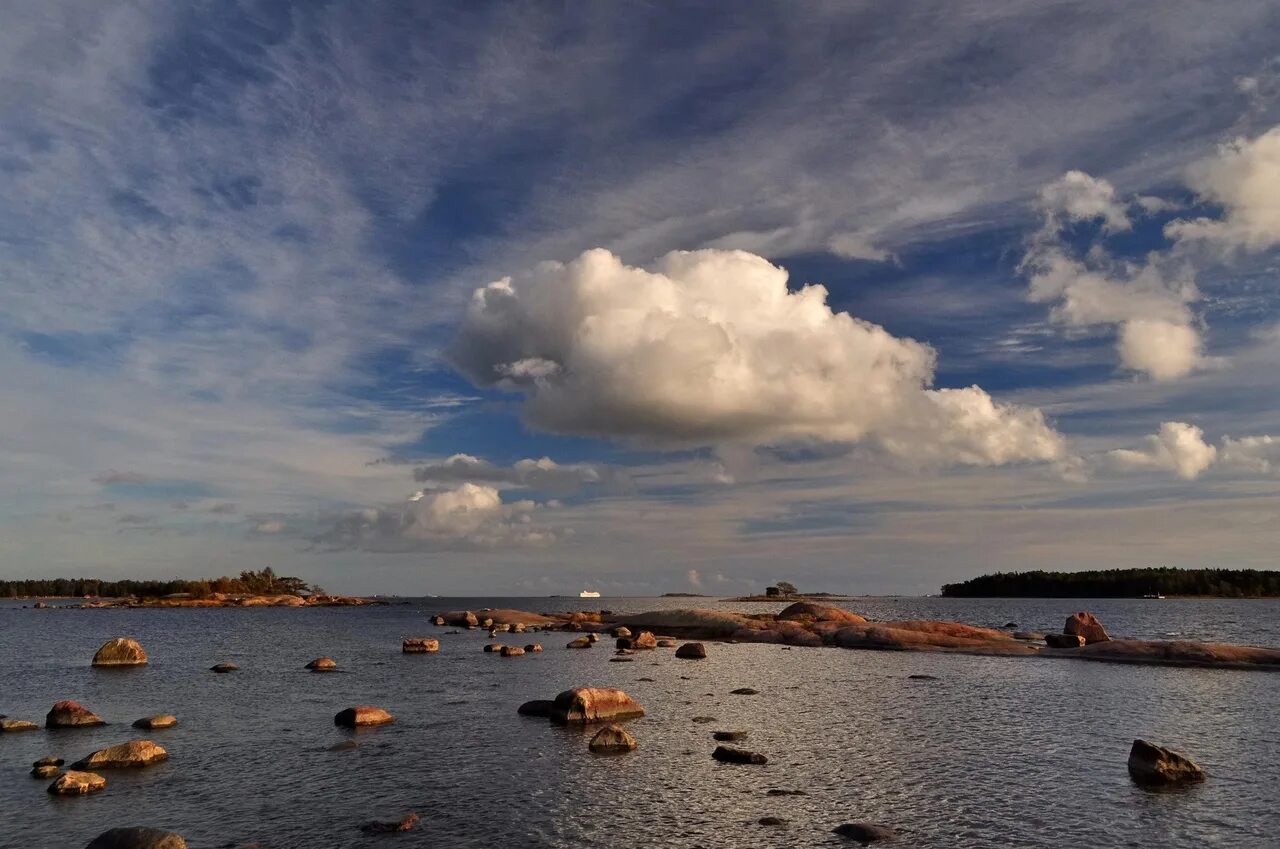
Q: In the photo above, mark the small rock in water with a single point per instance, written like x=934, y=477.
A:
x=406, y=822
x=133, y=754
x=69, y=714
x=362, y=716
x=594, y=704
x=692, y=651
x=864, y=832
x=744, y=691
x=160, y=720
x=224, y=667
x=322, y=664
x=533, y=647
x=344, y=746
x=420, y=645
x=44, y=771
x=72, y=783
x=1155, y=766
x=593, y=637
x=122, y=651
x=728, y=736
x=50, y=760
x=8, y=726
x=704, y=719
x=771, y=821
x=666, y=644
x=511, y=651
x=138, y=838
x=645, y=680
x=612, y=738
x=922, y=677
x=622, y=660
x=730, y=755
x=579, y=643
x=1029, y=636
x=777, y=792
x=1010, y=626
x=620, y=631
x=537, y=707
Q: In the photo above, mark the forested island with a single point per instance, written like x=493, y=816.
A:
x=1121, y=583
x=262, y=583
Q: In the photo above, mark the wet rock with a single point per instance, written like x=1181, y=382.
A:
x=493, y=634
x=728, y=736
x=224, y=667
x=45, y=771
x=919, y=677
x=702, y=720
x=14, y=725
x=692, y=651
x=744, y=691
x=537, y=707
x=322, y=664
x=622, y=660
x=1153, y=765
x=511, y=651
x=160, y=720
x=594, y=704
x=666, y=644
x=612, y=738
x=406, y=822
x=459, y=618
x=779, y=792
x=138, y=838
x=865, y=832
x=533, y=647
x=593, y=637
x=771, y=821
x=439, y=621
x=644, y=640
x=70, y=714
x=130, y=755
x=73, y=783
x=579, y=643
x=1086, y=625
x=122, y=651
x=49, y=760
x=362, y=716
x=420, y=645
x=620, y=631
x=1010, y=626
x=493, y=648
x=730, y=755
x=1063, y=641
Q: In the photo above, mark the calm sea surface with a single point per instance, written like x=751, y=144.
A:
x=1000, y=752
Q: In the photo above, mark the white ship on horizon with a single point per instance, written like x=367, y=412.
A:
x=589, y=594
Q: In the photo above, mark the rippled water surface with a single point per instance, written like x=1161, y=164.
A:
x=1001, y=752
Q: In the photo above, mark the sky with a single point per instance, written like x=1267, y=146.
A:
x=525, y=298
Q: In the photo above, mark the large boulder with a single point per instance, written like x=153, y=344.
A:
x=362, y=716
x=420, y=645
x=160, y=720
x=806, y=611
x=610, y=739
x=137, y=838
x=133, y=754
x=70, y=714
x=1154, y=765
x=122, y=651
x=692, y=651
x=594, y=704
x=12, y=725
x=73, y=783
x=460, y=618
x=1086, y=625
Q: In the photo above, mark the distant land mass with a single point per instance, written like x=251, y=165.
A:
x=684, y=595
x=263, y=583
x=1121, y=583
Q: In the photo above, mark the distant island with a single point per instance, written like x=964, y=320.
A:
x=683, y=595
x=1121, y=583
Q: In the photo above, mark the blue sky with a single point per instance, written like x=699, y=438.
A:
x=521, y=298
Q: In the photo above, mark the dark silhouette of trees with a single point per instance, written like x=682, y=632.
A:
x=1121, y=583
x=264, y=582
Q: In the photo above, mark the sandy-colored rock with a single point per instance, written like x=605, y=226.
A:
x=8, y=726
x=70, y=714
x=1086, y=625
x=644, y=640
x=160, y=720
x=138, y=838
x=865, y=832
x=730, y=755
x=439, y=620
x=511, y=651
x=224, y=667
x=610, y=739
x=49, y=760
x=130, y=755
x=620, y=631
x=362, y=716
x=594, y=704
x=460, y=618
x=692, y=651
x=74, y=783
x=1154, y=765
x=493, y=648
x=420, y=645
x=122, y=651
x=45, y=771
x=807, y=611
x=593, y=637
x=578, y=643
x=322, y=664
x=508, y=616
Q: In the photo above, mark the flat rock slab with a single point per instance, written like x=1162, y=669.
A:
x=160, y=720
x=8, y=726
x=362, y=716
x=130, y=755
x=74, y=783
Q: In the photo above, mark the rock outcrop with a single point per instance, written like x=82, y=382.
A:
x=594, y=704
x=459, y=618
x=612, y=739
x=70, y=714
x=322, y=664
x=8, y=726
x=730, y=755
x=807, y=611
x=362, y=716
x=692, y=651
x=1086, y=625
x=420, y=645
x=138, y=838
x=1182, y=653
x=73, y=783
x=1156, y=766
x=131, y=755
x=122, y=651
x=160, y=720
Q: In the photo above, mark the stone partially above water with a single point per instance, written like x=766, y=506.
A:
x=511, y=651
x=730, y=755
x=594, y=704
x=420, y=645
x=692, y=651
x=1086, y=625
x=362, y=716
x=537, y=707
x=579, y=643
x=322, y=664
x=1155, y=766
x=12, y=725
x=160, y=720
x=223, y=667
x=130, y=755
x=138, y=838
x=122, y=651
x=71, y=714
x=865, y=832
x=73, y=783
x=612, y=739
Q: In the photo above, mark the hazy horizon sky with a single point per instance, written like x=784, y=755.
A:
x=521, y=298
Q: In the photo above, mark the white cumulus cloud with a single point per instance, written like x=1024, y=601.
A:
x=712, y=347
x=1252, y=453
x=1177, y=447
x=1243, y=178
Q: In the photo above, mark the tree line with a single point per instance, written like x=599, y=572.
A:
x=1121, y=583
x=264, y=582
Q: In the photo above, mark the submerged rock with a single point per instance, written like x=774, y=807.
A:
x=138, y=838
x=1086, y=625
x=865, y=832
x=537, y=707
x=1063, y=641
x=744, y=691
x=771, y=821
x=135, y=753
x=122, y=651
x=12, y=725
x=728, y=736
x=406, y=822
x=73, y=783
x=533, y=647
x=780, y=792
x=579, y=643
x=48, y=760
x=160, y=720
x=224, y=667
x=362, y=716
x=666, y=644
x=420, y=645
x=730, y=755
x=1154, y=765
x=322, y=664
x=701, y=720
x=692, y=651
x=493, y=648
x=45, y=771
x=594, y=704
x=71, y=714
x=612, y=738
